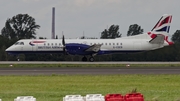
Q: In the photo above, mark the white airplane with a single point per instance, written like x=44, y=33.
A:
x=155, y=39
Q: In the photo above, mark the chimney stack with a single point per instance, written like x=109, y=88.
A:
x=53, y=23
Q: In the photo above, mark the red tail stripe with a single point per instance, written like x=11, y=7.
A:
x=166, y=20
x=170, y=19
x=152, y=35
x=170, y=43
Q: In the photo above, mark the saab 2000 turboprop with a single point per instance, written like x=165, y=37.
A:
x=155, y=39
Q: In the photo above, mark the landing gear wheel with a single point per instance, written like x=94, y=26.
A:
x=91, y=59
x=84, y=59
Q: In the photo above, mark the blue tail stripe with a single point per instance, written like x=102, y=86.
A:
x=163, y=29
x=168, y=29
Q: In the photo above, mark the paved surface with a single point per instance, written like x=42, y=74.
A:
x=70, y=62
x=91, y=71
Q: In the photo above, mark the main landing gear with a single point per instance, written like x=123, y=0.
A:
x=84, y=58
x=91, y=59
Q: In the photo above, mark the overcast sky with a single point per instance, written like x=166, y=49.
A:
x=91, y=16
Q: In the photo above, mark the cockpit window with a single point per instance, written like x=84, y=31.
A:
x=19, y=43
x=16, y=43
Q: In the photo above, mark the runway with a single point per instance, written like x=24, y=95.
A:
x=87, y=70
x=78, y=62
x=83, y=71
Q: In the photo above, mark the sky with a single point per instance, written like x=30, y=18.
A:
x=91, y=17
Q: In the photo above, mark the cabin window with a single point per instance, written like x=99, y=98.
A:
x=121, y=43
x=106, y=44
x=44, y=44
x=48, y=44
x=52, y=44
x=55, y=44
x=59, y=44
x=117, y=43
x=102, y=44
x=90, y=43
x=113, y=43
x=109, y=43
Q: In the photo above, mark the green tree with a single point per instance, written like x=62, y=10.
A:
x=111, y=33
x=176, y=37
x=21, y=26
x=134, y=29
x=104, y=34
x=3, y=55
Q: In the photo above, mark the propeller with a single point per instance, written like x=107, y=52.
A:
x=64, y=45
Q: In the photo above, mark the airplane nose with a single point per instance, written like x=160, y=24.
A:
x=8, y=49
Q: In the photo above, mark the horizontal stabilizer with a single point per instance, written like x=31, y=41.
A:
x=158, y=39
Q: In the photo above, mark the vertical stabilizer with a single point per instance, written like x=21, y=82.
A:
x=162, y=28
x=163, y=25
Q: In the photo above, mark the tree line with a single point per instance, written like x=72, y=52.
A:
x=23, y=26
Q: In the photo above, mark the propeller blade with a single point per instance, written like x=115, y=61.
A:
x=64, y=45
x=63, y=41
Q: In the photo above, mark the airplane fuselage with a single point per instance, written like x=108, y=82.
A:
x=77, y=46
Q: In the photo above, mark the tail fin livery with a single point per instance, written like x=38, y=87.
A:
x=163, y=25
x=162, y=28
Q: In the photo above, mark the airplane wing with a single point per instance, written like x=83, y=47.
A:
x=159, y=39
x=94, y=48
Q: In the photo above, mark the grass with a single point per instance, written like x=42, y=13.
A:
x=55, y=87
